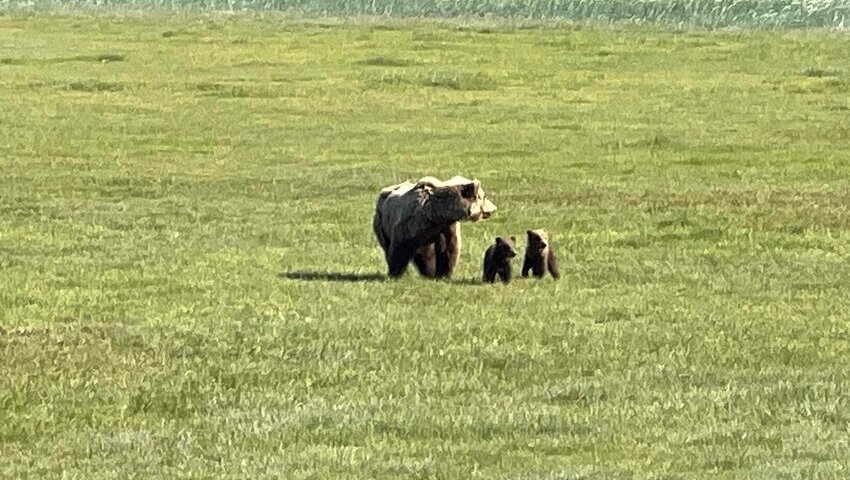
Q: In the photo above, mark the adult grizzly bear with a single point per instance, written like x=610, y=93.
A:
x=420, y=222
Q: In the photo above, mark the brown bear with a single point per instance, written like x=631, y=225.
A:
x=539, y=255
x=420, y=222
x=497, y=260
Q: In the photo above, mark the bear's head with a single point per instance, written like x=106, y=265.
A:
x=506, y=247
x=538, y=240
x=458, y=199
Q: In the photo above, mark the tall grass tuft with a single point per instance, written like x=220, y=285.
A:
x=704, y=13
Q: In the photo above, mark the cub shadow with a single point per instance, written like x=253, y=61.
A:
x=465, y=281
x=333, y=276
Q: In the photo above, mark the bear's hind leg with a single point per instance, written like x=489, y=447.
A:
x=425, y=260
x=399, y=257
x=538, y=267
x=489, y=272
x=442, y=259
x=552, y=264
x=448, y=249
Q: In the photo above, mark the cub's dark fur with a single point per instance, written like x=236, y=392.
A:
x=497, y=260
x=539, y=255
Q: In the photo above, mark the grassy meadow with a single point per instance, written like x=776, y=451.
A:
x=189, y=286
x=703, y=13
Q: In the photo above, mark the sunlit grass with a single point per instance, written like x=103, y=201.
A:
x=189, y=286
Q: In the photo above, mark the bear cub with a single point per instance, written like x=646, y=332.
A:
x=497, y=260
x=539, y=256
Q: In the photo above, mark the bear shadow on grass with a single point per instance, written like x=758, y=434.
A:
x=358, y=277
x=333, y=276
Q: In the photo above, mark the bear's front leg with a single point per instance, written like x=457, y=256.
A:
x=399, y=257
x=507, y=273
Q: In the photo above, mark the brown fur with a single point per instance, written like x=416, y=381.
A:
x=420, y=222
x=539, y=255
x=497, y=260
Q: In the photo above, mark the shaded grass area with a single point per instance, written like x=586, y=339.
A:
x=190, y=286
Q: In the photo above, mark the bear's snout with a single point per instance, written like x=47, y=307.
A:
x=488, y=208
x=477, y=212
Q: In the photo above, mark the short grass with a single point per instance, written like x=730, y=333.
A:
x=189, y=286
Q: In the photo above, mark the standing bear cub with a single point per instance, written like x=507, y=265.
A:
x=497, y=260
x=421, y=222
x=539, y=256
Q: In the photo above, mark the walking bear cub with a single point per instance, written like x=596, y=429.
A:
x=539, y=256
x=497, y=260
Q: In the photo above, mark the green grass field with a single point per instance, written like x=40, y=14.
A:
x=704, y=13
x=189, y=286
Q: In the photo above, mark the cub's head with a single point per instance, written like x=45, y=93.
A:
x=459, y=199
x=538, y=240
x=506, y=247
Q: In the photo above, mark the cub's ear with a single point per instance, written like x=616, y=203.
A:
x=499, y=240
x=469, y=190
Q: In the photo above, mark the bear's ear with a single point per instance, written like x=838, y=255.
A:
x=529, y=233
x=468, y=191
x=499, y=240
x=513, y=238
